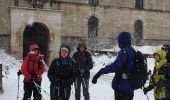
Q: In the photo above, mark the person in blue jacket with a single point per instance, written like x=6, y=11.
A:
x=123, y=89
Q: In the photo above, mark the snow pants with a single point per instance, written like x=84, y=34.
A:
x=30, y=87
x=84, y=81
x=123, y=95
x=58, y=91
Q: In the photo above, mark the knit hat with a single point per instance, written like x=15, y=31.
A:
x=65, y=47
x=81, y=45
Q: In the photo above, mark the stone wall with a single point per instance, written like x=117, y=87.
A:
x=157, y=4
x=114, y=20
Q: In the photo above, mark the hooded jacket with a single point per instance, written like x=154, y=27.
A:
x=123, y=62
x=159, y=93
x=33, y=65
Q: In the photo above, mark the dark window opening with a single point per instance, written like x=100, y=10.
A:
x=138, y=31
x=36, y=33
x=92, y=31
x=93, y=2
x=93, y=27
x=139, y=4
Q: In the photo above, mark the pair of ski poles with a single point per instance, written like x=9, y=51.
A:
x=37, y=87
x=85, y=85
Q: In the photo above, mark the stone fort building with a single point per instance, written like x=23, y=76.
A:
x=50, y=23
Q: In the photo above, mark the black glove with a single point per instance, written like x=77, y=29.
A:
x=160, y=84
x=82, y=71
x=94, y=80
x=19, y=73
x=147, y=89
x=33, y=77
x=162, y=71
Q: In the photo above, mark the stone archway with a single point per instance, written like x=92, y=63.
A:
x=37, y=33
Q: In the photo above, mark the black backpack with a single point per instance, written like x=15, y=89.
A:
x=138, y=75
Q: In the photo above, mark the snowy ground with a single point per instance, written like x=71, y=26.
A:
x=101, y=91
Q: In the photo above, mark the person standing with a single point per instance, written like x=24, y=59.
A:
x=158, y=80
x=61, y=74
x=123, y=88
x=32, y=69
x=84, y=64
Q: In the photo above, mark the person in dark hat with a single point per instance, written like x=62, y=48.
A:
x=84, y=64
x=61, y=75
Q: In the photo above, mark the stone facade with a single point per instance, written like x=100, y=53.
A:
x=113, y=17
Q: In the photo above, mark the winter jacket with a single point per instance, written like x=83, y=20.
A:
x=157, y=77
x=62, y=69
x=122, y=64
x=32, y=66
x=83, y=62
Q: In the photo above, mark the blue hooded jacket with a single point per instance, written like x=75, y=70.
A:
x=122, y=64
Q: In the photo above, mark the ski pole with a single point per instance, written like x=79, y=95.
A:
x=58, y=90
x=76, y=83
x=147, y=96
x=42, y=89
x=65, y=94
x=45, y=64
x=18, y=88
x=38, y=90
x=84, y=82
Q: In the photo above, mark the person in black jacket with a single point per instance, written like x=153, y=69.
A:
x=83, y=65
x=61, y=75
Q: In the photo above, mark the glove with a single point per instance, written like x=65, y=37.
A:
x=19, y=73
x=160, y=84
x=162, y=71
x=94, y=80
x=82, y=71
x=67, y=82
x=33, y=77
x=147, y=89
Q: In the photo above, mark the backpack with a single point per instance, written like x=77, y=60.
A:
x=138, y=74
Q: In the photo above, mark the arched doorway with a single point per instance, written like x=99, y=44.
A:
x=37, y=33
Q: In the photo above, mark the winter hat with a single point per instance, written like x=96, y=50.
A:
x=81, y=45
x=124, y=39
x=65, y=47
x=33, y=46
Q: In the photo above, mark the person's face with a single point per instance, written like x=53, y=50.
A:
x=64, y=53
x=82, y=49
x=156, y=57
x=35, y=51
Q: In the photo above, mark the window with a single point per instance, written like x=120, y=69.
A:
x=138, y=31
x=93, y=2
x=139, y=4
x=92, y=27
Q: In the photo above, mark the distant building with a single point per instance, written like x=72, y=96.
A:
x=98, y=22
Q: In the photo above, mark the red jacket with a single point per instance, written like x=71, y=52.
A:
x=30, y=66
